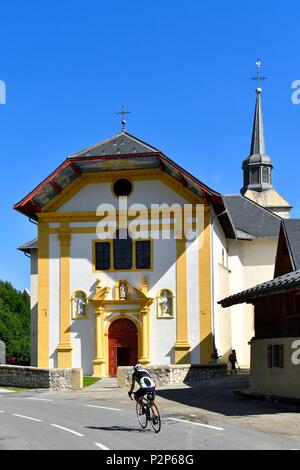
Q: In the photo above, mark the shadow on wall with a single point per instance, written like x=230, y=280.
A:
x=200, y=354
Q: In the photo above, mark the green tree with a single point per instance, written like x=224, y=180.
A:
x=15, y=322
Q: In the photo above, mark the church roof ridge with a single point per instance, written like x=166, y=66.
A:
x=255, y=204
x=251, y=218
x=122, y=143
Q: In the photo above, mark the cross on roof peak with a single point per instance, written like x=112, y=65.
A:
x=258, y=77
x=123, y=112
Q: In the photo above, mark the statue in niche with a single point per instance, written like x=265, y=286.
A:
x=80, y=304
x=165, y=303
x=123, y=291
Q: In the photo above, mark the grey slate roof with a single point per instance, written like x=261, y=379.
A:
x=282, y=283
x=27, y=247
x=292, y=232
x=251, y=220
x=120, y=144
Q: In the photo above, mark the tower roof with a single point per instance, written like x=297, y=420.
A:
x=258, y=147
x=258, y=166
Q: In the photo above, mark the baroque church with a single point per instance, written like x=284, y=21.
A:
x=99, y=303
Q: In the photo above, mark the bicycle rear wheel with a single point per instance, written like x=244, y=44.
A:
x=155, y=418
x=141, y=415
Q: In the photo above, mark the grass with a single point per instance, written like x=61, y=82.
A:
x=87, y=381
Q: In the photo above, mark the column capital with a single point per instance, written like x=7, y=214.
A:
x=64, y=236
x=99, y=310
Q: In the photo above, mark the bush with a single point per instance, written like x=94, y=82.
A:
x=15, y=323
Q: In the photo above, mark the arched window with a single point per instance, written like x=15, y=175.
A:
x=122, y=250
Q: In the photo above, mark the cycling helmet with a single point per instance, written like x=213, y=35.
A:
x=138, y=367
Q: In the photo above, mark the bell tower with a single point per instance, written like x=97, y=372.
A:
x=258, y=167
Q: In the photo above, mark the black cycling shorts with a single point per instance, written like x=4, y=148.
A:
x=141, y=392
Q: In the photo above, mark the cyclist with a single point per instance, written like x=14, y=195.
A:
x=142, y=377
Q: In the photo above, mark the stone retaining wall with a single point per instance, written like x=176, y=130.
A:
x=33, y=377
x=175, y=373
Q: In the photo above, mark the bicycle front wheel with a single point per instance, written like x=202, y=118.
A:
x=141, y=415
x=155, y=418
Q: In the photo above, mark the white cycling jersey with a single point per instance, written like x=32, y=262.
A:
x=142, y=377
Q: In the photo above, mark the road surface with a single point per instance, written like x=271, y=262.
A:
x=41, y=421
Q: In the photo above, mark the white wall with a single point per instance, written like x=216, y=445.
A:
x=144, y=192
x=250, y=263
x=34, y=306
x=220, y=282
x=193, y=300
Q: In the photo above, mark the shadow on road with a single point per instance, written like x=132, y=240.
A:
x=118, y=428
x=217, y=396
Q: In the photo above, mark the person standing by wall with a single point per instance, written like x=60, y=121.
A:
x=232, y=359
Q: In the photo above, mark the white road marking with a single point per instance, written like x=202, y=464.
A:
x=68, y=430
x=101, y=446
x=27, y=417
x=104, y=407
x=38, y=399
x=2, y=411
x=197, y=424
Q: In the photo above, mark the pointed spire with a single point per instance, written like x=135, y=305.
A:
x=258, y=137
x=258, y=166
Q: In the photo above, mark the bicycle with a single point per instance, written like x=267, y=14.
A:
x=145, y=413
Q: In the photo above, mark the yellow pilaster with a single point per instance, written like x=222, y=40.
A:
x=43, y=295
x=99, y=369
x=64, y=350
x=145, y=314
x=182, y=345
x=206, y=339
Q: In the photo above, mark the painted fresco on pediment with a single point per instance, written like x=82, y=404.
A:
x=65, y=177
x=118, y=164
x=46, y=195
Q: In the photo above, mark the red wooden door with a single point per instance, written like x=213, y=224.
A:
x=122, y=336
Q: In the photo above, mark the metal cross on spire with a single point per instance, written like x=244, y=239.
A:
x=258, y=77
x=123, y=112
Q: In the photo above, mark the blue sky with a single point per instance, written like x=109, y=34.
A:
x=182, y=68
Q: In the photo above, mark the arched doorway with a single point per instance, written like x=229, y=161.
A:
x=122, y=344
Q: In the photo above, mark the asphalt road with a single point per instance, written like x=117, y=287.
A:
x=40, y=421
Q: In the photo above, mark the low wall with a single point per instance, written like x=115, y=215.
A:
x=33, y=377
x=175, y=373
x=274, y=380
x=2, y=353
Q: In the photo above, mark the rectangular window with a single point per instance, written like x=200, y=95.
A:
x=102, y=256
x=275, y=356
x=254, y=176
x=122, y=254
x=143, y=254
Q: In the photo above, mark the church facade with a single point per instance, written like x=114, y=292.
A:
x=103, y=303
x=116, y=278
